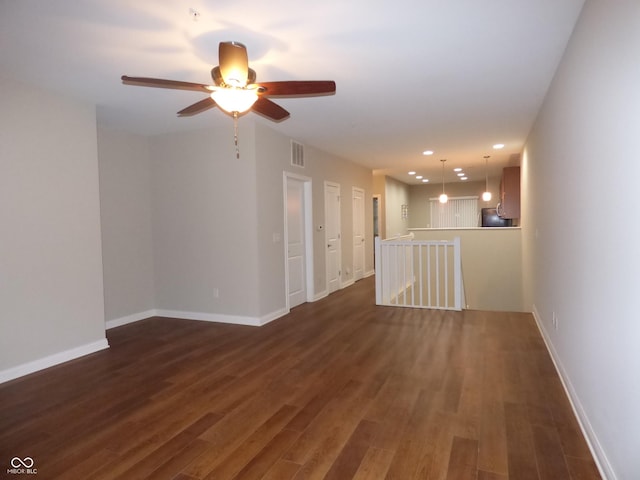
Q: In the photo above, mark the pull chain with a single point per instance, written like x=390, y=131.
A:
x=235, y=133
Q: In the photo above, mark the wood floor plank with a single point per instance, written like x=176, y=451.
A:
x=180, y=459
x=339, y=388
x=396, y=416
x=282, y=470
x=237, y=460
x=482, y=475
x=422, y=431
x=374, y=465
x=582, y=469
x=230, y=432
x=551, y=460
x=166, y=450
x=85, y=468
x=463, y=461
x=344, y=405
x=348, y=462
x=493, y=452
x=520, y=445
x=268, y=458
x=322, y=443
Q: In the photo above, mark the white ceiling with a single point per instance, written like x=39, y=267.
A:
x=453, y=76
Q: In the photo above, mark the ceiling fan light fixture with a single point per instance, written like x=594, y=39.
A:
x=234, y=63
x=234, y=99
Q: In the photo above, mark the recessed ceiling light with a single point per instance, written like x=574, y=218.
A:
x=412, y=173
x=463, y=178
x=425, y=180
x=418, y=177
x=458, y=169
x=498, y=146
x=461, y=174
x=428, y=152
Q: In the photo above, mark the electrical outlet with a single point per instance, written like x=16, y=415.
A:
x=216, y=292
x=555, y=321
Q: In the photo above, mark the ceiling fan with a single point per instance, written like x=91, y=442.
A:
x=234, y=89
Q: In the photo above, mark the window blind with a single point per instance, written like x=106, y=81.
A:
x=457, y=212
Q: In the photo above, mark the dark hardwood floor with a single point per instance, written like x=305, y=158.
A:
x=338, y=389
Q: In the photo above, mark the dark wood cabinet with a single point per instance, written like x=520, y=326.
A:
x=509, y=206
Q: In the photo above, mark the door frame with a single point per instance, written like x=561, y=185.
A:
x=364, y=234
x=307, y=214
x=326, y=240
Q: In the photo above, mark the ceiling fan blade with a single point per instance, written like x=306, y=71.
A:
x=197, y=107
x=269, y=109
x=298, y=88
x=161, y=83
x=234, y=63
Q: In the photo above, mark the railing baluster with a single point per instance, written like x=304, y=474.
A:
x=401, y=286
x=457, y=271
x=396, y=263
x=394, y=286
x=437, y=276
x=429, y=303
x=445, y=249
x=420, y=248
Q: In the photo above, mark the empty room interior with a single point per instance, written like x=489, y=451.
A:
x=319, y=241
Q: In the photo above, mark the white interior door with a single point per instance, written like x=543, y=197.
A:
x=358, y=233
x=295, y=232
x=332, y=235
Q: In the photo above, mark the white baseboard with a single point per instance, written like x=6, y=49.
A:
x=370, y=273
x=600, y=458
x=205, y=317
x=346, y=284
x=273, y=316
x=118, y=322
x=210, y=317
x=222, y=318
x=61, y=357
x=51, y=360
x=320, y=296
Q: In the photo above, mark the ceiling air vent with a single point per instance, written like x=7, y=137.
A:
x=297, y=154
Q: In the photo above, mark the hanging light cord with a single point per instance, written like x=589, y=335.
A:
x=486, y=173
x=235, y=133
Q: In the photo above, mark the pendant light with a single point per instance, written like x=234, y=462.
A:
x=486, y=196
x=443, y=196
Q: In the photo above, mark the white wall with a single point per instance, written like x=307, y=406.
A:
x=273, y=156
x=396, y=194
x=51, y=299
x=204, y=223
x=125, y=207
x=183, y=218
x=581, y=231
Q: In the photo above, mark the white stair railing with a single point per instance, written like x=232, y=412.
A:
x=419, y=273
